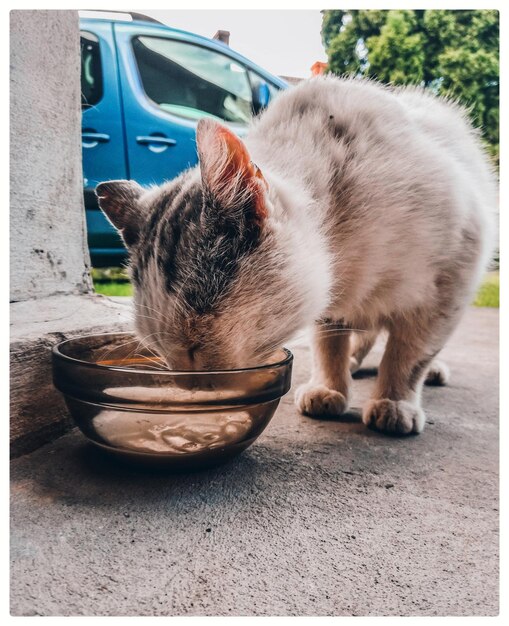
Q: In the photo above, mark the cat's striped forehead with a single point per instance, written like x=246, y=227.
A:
x=192, y=245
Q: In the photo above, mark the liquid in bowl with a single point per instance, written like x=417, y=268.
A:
x=136, y=408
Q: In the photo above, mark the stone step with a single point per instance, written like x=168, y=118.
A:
x=38, y=411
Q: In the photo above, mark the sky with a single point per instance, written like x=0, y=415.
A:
x=284, y=42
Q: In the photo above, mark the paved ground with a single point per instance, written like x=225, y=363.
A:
x=317, y=518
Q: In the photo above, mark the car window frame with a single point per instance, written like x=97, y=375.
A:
x=86, y=106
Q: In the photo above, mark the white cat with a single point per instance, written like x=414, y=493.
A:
x=349, y=205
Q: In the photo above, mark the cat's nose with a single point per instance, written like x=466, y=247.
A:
x=193, y=353
x=201, y=360
x=194, y=358
x=180, y=360
x=189, y=359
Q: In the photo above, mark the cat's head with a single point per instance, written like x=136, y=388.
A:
x=213, y=263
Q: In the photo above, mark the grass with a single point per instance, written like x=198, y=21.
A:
x=114, y=281
x=113, y=288
x=488, y=294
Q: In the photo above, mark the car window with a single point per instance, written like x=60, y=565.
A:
x=256, y=79
x=91, y=70
x=192, y=81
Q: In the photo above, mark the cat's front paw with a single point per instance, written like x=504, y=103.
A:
x=317, y=400
x=395, y=418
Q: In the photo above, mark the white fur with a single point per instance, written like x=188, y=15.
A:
x=419, y=177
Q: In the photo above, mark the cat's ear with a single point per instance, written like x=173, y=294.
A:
x=227, y=172
x=119, y=201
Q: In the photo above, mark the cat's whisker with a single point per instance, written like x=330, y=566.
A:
x=133, y=353
x=162, y=316
x=104, y=355
x=154, y=354
x=156, y=365
x=343, y=331
x=155, y=333
x=148, y=317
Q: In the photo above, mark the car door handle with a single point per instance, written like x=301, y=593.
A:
x=165, y=141
x=90, y=140
x=155, y=143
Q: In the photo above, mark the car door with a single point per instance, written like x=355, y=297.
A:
x=103, y=146
x=102, y=133
x=168, y=83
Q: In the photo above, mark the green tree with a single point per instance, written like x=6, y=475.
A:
x=454, y=53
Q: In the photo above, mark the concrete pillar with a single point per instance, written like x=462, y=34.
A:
x=51, y=292
x=49, y=254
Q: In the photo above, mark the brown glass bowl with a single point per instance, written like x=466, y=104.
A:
x=125, y=402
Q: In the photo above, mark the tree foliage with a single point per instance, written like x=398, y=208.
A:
x=454, y=53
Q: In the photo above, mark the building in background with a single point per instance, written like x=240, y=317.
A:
x=291, y=80
x=223, y=35
x=318, y=68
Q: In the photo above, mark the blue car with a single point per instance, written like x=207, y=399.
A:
x=144, y=88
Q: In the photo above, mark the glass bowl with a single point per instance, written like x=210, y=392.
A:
x=124, y=400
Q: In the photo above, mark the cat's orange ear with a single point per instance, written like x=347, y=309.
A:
x=118, y=199
x=227, y=171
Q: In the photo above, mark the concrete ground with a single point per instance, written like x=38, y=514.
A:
x=316, y=518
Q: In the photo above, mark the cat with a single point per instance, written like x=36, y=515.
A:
x=350, y=207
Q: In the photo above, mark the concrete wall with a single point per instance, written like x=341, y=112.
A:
x=48, y=241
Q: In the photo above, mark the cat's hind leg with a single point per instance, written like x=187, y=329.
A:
x=438, y=374
x=327, y=392
x=361, y=344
